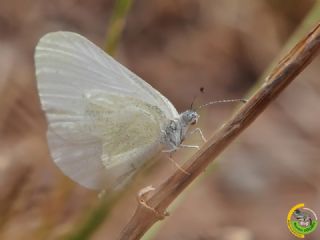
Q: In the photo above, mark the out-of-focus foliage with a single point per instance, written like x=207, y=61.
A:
x=118, y=21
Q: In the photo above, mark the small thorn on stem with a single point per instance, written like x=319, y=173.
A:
x=142, y=194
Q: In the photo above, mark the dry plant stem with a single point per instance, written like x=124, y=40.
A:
x=282, y=75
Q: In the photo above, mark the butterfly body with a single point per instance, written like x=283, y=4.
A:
x=176, y=130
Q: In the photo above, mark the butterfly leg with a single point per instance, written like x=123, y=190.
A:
x=178, y=166
x=142, y=199
x=170, y=150
x=190, y=146
x=200, y=132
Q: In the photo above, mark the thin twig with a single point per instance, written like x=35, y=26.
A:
x=306, y=24
x=117, y=24
x=281, y=76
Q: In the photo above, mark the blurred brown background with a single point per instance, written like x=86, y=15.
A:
x=177, y=46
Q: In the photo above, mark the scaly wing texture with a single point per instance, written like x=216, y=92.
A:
x=104, y=121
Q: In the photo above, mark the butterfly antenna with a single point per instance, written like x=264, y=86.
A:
x=223, y=101
x=194, y=99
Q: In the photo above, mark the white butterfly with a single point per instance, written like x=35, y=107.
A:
x=105, y=122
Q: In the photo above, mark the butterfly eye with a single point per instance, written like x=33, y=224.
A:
x=194, y=118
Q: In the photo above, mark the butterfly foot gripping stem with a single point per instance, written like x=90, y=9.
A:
x=142, y=194
x=178, y=166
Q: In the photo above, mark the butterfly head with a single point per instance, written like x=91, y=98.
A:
x=190, y=117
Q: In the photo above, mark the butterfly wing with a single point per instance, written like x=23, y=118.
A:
x=104, y=121
x=110, y=144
